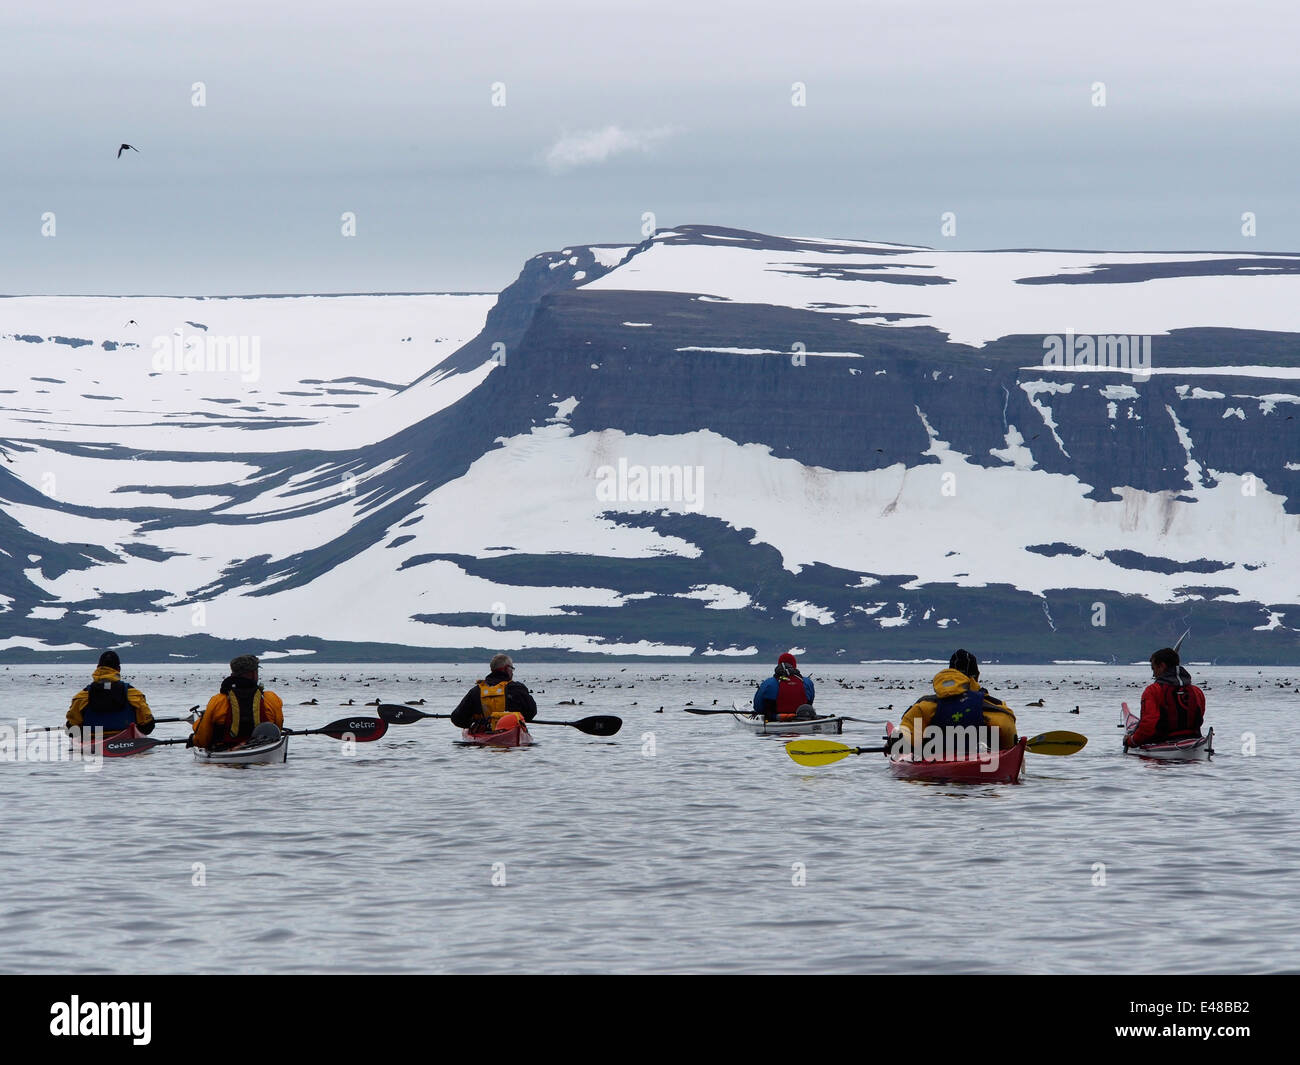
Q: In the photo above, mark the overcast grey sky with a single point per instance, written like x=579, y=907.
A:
x=612, y=109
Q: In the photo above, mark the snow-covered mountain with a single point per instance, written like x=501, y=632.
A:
x=714, y=442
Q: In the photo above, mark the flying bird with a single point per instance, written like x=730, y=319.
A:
x=124, y=148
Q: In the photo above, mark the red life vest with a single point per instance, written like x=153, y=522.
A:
x=790, y=695
x=1182, y=710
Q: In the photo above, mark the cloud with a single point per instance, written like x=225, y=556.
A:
x=598, y=145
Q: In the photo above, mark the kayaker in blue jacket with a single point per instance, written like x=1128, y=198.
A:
x=786, y=694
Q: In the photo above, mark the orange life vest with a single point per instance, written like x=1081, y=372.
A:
x=492, y=697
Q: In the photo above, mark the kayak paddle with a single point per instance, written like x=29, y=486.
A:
x=156, y=721
x=824, y=752
x=603, y=725
x=403, y=715
x=361, y=729
x=750, y=713
x=115, y=748
x=1058, y=743
x=735, y=709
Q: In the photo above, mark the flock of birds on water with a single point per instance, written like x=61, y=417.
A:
x=596, y=685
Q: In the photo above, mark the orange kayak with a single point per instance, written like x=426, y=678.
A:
x=506, y=737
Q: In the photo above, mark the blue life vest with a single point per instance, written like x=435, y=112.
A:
x=960, y=711
x=107, y=706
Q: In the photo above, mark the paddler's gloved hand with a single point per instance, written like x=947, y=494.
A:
x=189, y=740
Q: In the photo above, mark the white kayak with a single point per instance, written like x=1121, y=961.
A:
x=806, y=726
x=271, y=752
x=1192, y=749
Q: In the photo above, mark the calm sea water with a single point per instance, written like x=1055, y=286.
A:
x=682, y=844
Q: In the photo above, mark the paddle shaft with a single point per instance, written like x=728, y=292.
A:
x=156, y=721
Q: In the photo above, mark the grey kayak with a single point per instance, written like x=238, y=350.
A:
x=249, y=754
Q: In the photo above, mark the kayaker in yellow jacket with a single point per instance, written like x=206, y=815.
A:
x=240, y=706
x=109, y=703
x=959, y=701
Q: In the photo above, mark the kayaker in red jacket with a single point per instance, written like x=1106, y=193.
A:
x=496, y=701
x=1173, y=708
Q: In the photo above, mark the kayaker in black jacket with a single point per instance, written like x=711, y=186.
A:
x=495, y=695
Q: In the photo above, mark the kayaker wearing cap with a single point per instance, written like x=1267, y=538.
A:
x=1173, y=708
x=498, y=701
x=786, y=694
x=959, y=702
x=240, y=706
x=109, y=703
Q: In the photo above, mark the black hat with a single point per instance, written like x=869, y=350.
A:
x=964, y=662
x=109, y=660
x=242, y=664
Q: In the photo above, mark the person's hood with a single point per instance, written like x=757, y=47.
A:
x=103, y=673
x=1175, y=678
x=953, y=682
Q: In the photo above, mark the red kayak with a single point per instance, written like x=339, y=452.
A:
x=104, y=745
x=980, y=770
x=519, y=736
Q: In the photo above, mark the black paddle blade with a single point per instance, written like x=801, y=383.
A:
x=401, y=715
x=599, y=726
x=361, y=729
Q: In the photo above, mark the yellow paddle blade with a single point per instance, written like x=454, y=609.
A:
x=817, y=752
x=1057, y=743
